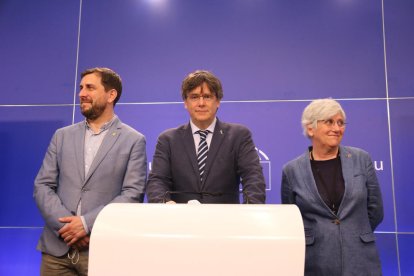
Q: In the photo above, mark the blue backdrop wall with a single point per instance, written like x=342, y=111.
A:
x=273, y=57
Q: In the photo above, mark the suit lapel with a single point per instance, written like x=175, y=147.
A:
x=307, y=174
x=79, y=145
x=347, y=172
x=216, y=141
x=110, y=138
x=188, y=144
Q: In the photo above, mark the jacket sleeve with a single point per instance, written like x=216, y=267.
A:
x=375, y=204
x=286, y=193
x=250, y=170
x=45, y=188
x=160, y=179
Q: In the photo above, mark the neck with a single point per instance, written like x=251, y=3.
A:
x=325, y=154
x=97, y=123
x=203, y=125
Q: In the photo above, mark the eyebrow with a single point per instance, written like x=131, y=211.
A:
x=87, y=85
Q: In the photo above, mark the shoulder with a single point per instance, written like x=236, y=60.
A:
x=357, y=156
x=232, y=127
x=354, y=151
x=174, y=132
x=130, y=131
x=296, y=162
x=70, y=129
x=126, y=131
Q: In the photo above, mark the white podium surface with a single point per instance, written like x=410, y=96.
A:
x=197, y=239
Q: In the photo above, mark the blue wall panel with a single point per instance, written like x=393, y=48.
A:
x=272, y=57
x=400, y=44
x=387, y=248
x=18, y=256
x=301, y=49
x=402, y=118
x=25, y=133
x=38, y=51
x=406, y=245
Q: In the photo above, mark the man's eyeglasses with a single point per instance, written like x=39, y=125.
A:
x=196, y=97
x=330, y=123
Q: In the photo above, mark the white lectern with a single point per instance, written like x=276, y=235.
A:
x=197, y=239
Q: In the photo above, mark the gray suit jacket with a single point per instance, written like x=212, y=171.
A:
x=231, y=157
x=117, y=174
x=342, y=244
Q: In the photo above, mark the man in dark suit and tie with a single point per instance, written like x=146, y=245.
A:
x=205, y=159
x=87, y=166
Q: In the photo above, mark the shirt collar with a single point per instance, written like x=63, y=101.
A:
x=104, y=127
x=210, y=128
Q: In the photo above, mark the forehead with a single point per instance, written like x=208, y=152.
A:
x=93, y=78
x=201, y=89
x=337, y=116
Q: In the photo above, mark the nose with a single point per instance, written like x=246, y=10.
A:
x=82, y=92
x=201, y=100
x=335, y=126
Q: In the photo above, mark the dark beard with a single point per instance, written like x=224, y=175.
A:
x=94, y=112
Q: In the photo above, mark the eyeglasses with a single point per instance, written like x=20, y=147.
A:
x=330, y=123
x=197, y=97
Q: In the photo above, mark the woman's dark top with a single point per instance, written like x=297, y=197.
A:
x=329, y=180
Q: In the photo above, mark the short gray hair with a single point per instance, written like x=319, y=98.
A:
x=321, y=109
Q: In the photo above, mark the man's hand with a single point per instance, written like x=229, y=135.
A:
x=73, y=230
x=82, y=244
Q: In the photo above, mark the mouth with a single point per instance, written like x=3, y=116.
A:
x=85, y=105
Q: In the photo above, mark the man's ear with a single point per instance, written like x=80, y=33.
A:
x=112, y=95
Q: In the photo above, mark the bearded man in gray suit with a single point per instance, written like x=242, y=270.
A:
x=87, y=166
x=205, y=159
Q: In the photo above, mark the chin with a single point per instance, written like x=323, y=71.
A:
x=334, y=145
x=202, y=118
x=85, y=110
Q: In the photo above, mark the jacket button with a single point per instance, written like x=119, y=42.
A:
x=336, y=221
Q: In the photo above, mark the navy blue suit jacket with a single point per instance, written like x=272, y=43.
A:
x=232, y=158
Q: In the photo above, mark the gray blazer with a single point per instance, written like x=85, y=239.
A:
x=231, y=157
x=117, y=174
x=342, y=244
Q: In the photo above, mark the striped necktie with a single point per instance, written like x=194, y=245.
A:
x=202, y=152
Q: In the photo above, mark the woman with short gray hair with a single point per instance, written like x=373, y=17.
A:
x=338, y=194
